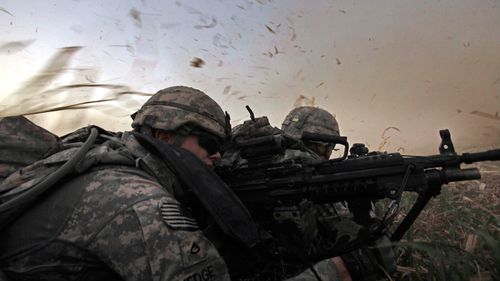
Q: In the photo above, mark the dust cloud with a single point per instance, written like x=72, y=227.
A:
x=392, y=72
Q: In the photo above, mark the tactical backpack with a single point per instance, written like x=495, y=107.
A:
x=26, y=168
x=22, y=143
x=72, y=154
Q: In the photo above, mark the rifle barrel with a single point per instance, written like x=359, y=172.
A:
x=490, y=155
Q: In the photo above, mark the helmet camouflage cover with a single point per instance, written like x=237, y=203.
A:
x=309, y=119
x=174, y=107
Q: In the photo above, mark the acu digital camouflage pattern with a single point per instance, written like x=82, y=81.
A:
x=174, y=107
x=254, y=128
x=107, y=224
x=316, y=120
x=310, y=119
x=260, y=127
x=21, y=143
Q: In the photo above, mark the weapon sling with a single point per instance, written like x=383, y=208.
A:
x=226, y=208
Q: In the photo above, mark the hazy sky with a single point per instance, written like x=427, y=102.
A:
x=393, y=72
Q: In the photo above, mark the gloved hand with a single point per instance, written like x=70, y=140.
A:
x=371, y=262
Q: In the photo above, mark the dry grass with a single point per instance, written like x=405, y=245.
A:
x=457, y=236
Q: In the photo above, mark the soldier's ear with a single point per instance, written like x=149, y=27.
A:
x=165, y=136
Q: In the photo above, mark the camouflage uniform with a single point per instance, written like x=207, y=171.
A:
x=315, y=120
x=334, y=219
x=117, y=218
x=108, y=224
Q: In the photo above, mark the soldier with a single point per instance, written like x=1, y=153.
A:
x=314, y=120
x=333, y=218
x=123, y=214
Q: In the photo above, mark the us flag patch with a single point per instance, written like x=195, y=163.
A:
x=174, y=217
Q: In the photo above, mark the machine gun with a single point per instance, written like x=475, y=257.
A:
x=283, y=193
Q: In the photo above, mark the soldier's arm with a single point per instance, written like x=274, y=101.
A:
x=139, y=244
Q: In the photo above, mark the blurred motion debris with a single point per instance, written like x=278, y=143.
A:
x=221, y=41
x=36, y=96
x=486, y=115
x=338, y=61
x=197, y=62
x=208, y=21
x=212, y=24
x=270, y=29
x=226, y=90
x=136, y=15
x=49, y=73
x=304, y=101
x=385, y=139
x=5, y=11
x=128, y=47
x=15, y=46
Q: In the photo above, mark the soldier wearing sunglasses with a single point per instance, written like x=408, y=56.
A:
x=122, y=213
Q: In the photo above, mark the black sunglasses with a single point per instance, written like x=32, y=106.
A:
x=209, y=142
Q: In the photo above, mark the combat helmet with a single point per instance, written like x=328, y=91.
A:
x=174, y=107
x=309, y=119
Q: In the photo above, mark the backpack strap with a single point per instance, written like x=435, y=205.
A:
x=225, y=207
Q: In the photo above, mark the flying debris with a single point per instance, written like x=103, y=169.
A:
x=136, y=15
x=197, y=62
x=389, y=128
x=270, y=29
x=486, y=115
x=36, y=97
x=385, y=138
x=212, y=24
x=5, y=11
x=268, y=54
x=15, y=46
x=226, y=90
x=129, y=48
x=303, y=100
x=298, y=73
x=338, y=61
x=221, y=41
x=320, y=84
